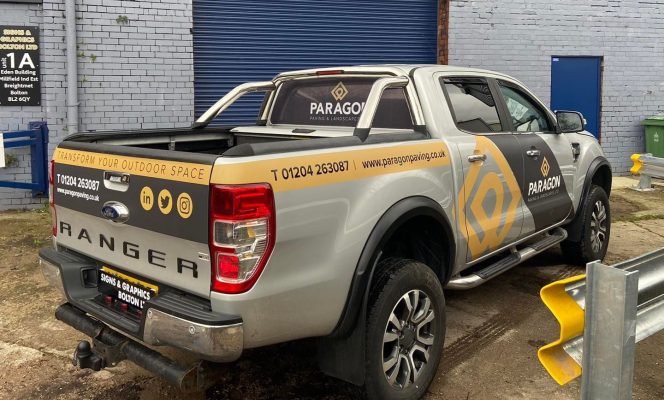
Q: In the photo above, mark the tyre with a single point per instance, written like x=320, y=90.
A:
x=405, y=331
x=595, y=228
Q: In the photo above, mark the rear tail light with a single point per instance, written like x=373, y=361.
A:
x=242, y=234
x=51, y=197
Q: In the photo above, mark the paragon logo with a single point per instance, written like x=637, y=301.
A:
x=545, y=168
x=336, y=111
x=339, y=91
x=547, y=184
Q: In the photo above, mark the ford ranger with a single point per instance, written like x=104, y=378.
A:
x=357, y=197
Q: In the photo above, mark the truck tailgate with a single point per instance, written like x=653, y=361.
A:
x=163, y=237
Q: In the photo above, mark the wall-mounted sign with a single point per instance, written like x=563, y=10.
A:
x=20, y=81
x=2, y=151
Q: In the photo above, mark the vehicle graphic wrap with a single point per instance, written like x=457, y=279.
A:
x=177, y=171
x=298, y=172
x=489, y=200
x=168, y=197
x=540, y=179
x=543, y=187
x=171, y=197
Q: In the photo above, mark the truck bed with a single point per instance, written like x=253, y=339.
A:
x=236, y=142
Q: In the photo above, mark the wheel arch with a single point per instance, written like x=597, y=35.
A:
x=391, y=223
x=601, y=176
x=342, y=353
x=599, y=173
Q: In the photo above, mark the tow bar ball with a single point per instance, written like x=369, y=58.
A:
x=84, y=357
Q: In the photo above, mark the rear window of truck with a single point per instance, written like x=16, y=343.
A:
x=337, y=101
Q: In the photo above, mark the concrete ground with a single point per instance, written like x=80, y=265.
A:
x=493, y=333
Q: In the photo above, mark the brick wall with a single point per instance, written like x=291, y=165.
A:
x=135, y=64
x=519, y=38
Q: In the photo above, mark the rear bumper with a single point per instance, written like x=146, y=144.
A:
x=214, y=343
x=172, y=318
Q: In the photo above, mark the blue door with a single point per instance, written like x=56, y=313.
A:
x=237, y=41
x=576, y=84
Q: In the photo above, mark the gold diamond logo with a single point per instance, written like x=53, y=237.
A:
x=339, y=92
x=545, y=167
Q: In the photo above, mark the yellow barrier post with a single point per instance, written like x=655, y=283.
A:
x=560, y=365
x=636, y=159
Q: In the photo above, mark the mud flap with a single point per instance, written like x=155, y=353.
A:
x=344, y=357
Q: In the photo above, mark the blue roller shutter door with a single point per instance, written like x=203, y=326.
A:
x=238, y=41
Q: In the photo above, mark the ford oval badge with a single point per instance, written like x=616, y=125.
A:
x=115, y=211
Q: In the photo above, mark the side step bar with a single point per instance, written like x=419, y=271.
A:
x=477, y=278
x=110, y=347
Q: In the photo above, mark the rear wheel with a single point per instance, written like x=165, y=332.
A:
x=405, y=331
x=595, y=229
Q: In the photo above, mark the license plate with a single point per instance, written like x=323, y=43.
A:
x=125, y=288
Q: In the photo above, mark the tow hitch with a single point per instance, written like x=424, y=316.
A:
x=109, y=347
x=84, y=358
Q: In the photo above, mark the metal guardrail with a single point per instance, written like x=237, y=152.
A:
x=647, y=167
x=602, y=317
x=36, y=137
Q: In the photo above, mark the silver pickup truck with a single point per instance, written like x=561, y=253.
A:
x=359, y=194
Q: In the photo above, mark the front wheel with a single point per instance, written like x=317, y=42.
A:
x=595, y=229
x=405, y=331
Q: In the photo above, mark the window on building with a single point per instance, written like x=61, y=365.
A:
x=527, y=115
x=472, y=105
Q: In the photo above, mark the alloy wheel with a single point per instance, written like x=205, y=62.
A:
x=409, y=336
x=598, y=226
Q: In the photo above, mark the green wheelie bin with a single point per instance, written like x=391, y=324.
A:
x=654, y=135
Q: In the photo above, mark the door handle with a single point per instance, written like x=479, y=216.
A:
x=477, y=157
x=533, y=153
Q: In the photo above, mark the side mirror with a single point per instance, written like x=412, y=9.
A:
x=570, y=121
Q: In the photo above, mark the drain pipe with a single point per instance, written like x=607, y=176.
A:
x=72, y=67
